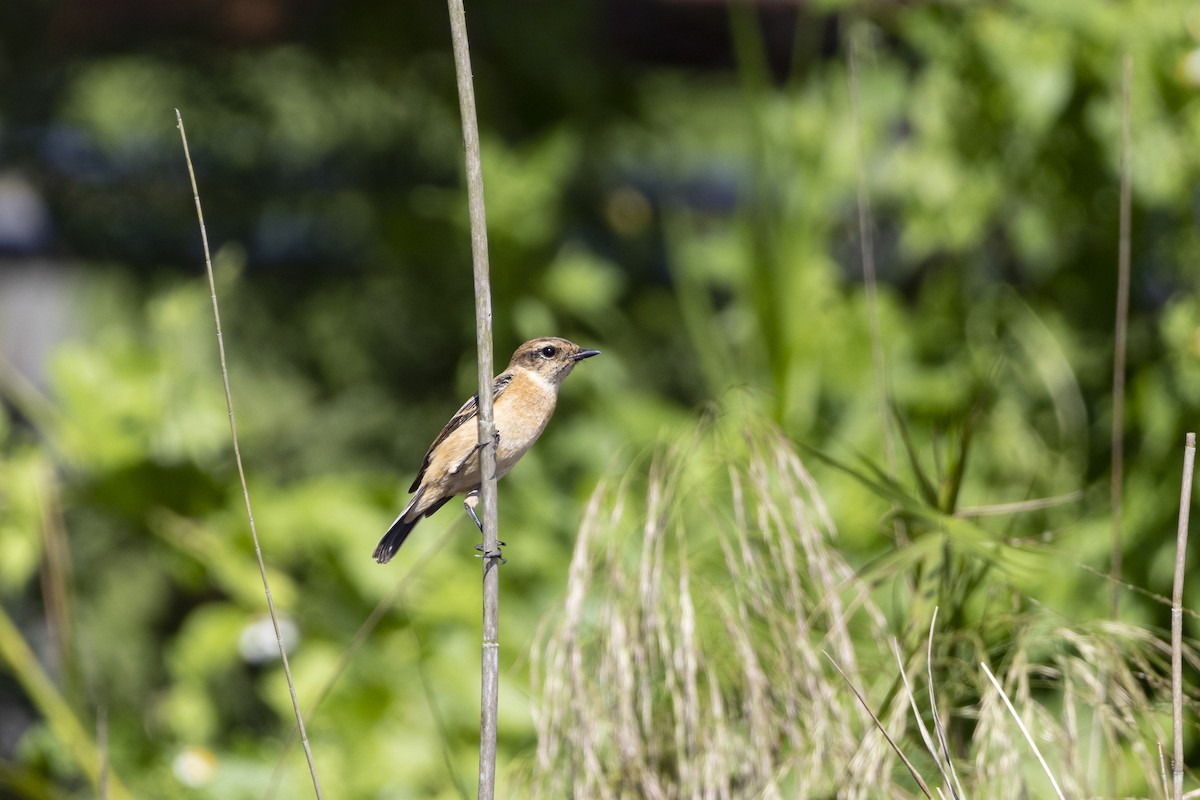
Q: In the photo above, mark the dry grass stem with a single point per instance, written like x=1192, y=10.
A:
x=237, y=457
x=1024, y=731
x=921, y=727
x=1181, y=537
x=56, y=569
x=356, y=642
x=937, y=720
x=1162, y=766
x=939, y=750
x=1161, y=599
x=1007, y=509
x=883, y=730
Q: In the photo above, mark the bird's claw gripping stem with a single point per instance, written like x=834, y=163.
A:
x=469, y=503
x=496, y=554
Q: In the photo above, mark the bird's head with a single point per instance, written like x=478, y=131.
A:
x=550, y=357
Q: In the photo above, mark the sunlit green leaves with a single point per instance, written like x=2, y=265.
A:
x=26, y=492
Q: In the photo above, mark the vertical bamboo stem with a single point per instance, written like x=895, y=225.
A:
x=490, y=657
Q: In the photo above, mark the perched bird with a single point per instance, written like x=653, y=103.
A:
x=523, y=398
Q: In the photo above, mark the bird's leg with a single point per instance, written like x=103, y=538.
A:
x=469, y=503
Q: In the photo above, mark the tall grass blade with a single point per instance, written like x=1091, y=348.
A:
x=237, y=457
x=1024, y=731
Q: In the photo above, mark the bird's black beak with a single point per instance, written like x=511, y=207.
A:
x=582, y=354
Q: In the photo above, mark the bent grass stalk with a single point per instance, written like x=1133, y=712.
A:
x=237, y=457
x=883, y=729
x=356, y=642
x=1024, y=731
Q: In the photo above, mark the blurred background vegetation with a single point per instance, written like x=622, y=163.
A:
x=674, y=183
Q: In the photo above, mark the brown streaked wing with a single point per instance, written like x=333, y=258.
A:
x=468, y=412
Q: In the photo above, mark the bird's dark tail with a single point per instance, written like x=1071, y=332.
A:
x=401, y=528
x=394, y=537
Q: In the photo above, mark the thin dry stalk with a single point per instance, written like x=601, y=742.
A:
x=921, y=727
x=1121, y=327
x=237, y=457
x=438, y=720
x=1021, y=506
x=997, y=755
x=880, y=727
x=686, y=664
x=1162, y=767
x=1024, y=730
x=56, y=574
x=940, y=751
x=1181, y=537
x=1070, y=734
x=939, y=729
x=1155, y=597
x=489, y=700
x=347, y=655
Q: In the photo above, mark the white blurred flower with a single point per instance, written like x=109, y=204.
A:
x=257, y=641
x=194, y=766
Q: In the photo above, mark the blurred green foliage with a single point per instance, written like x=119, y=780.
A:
x=698, y=227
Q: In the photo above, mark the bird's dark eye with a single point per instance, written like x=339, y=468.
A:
x=549, y=351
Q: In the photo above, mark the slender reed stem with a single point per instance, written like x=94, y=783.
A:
x=1118, y=391
x=360, y=636
x=916, y=776
x=1024, y=731
x=237, y=457
x=490, y=657
x=1181, y=537
x=940, y=729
